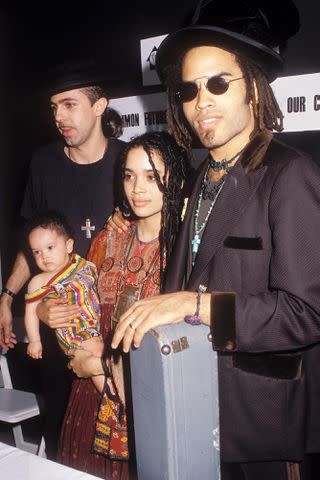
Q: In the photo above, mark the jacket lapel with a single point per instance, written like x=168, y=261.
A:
x=231, y=203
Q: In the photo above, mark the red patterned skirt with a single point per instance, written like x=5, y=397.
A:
x=78, y=432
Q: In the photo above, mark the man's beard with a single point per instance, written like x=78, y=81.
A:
x=208, y=139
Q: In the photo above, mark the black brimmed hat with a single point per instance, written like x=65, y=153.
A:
x=73, y=75
x=255, y=29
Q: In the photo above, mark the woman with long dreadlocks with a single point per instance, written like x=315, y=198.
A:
x=131, y=266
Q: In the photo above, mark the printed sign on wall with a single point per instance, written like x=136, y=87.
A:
x=141, y=114
x=299, y=100
x=298, y=97
x=148, y=49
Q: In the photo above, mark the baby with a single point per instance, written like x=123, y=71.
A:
x=63, y=275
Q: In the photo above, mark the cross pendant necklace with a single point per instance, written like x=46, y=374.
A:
x=198, y=229
x=195, y=243
x=88, y=228
x=211, y=194
x=196, y=240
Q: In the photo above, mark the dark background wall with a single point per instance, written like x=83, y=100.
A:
x=34, y=38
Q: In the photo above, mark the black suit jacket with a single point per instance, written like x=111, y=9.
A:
x=260, y=256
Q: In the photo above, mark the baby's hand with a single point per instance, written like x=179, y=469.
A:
x=34, y=350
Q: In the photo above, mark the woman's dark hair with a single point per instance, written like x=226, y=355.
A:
x=112, y=124
x=267, y=113
x=176, y=163
x=49, y=219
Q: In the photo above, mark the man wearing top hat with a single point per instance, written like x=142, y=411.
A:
x=250, y=237
x=74, y=176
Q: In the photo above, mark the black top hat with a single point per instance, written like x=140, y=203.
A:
x=256, y=29
x=73, y=75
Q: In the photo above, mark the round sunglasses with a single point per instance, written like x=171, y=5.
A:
x=188, y=91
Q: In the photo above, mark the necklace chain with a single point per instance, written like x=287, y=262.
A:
x=218, y=166
x=86, y=209
x=210, y=189
x=205, y=193
x=211, y=192
x=104, y=152
x=197, y=230
x=223, y=164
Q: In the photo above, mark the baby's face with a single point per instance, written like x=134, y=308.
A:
x=50, y=249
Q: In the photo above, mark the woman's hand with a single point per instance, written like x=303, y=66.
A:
x=56, y=313
x=117, y=222
x=84, y=364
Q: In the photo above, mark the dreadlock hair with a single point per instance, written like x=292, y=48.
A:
x=267, y=113
x=176, y=161
x=113, y=123
x=177, y=124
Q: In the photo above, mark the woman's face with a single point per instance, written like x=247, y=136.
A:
x=140, y=185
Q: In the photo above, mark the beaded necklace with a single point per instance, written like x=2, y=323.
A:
x=209, y=190
x=218, y=166
x=196, y=240
x=223, y=164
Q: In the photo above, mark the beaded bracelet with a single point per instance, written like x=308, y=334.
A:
x=6, y=291
x=195, y=319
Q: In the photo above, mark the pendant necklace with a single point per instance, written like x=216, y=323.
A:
x=223, y=164
x=134, y=264
x=129, y=292
x=196, y=240
x=209, y=190
x=87, y=228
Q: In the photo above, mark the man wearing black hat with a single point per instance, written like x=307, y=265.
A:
x=76, y=177
x=250, y=237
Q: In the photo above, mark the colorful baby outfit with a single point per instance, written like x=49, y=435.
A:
x=77, y=283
